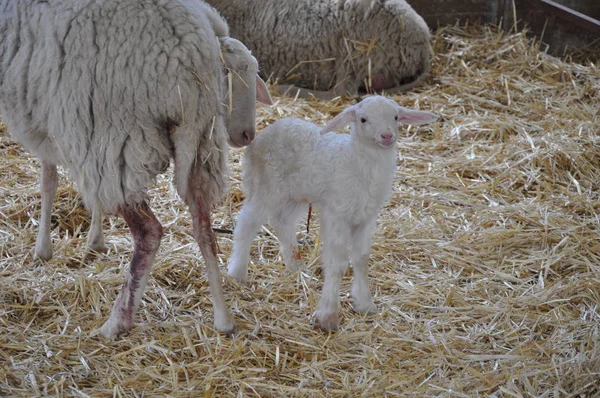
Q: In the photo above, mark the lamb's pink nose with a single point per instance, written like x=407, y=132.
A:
x=386, y=137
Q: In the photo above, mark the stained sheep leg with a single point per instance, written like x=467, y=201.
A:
x=146, y=232
x=206, y=240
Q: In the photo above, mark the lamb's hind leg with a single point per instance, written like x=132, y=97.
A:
x=208, y=246
x=285, y=222
x=49, y=182
x=146, y=232
x=248, y=223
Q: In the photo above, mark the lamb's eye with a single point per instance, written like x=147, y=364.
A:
x=396, y=117
x=363, y=120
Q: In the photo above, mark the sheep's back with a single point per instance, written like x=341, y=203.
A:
x=298, y=42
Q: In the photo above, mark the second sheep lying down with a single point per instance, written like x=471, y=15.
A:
x=333, y=47
x=347, y=177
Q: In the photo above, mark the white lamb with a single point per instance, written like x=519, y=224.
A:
x=347, y=177
x=113, y=90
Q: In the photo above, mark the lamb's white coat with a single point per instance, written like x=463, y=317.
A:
x=348, y=178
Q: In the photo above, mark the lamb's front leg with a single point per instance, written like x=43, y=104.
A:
x=49, y=182
x=248, y=223
x=335, y=263
x=359, y=255
x=206, y=240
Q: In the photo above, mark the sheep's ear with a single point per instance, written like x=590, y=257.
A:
x=410, y=116
x=340, y=121
x=262, y=92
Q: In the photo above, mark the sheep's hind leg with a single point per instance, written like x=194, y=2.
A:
x=284, y=223
x=49, y=182
x=248, y=223
x=359, y=255
x=146, y=232
x=208, y=246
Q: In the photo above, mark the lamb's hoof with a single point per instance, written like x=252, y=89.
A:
x=240, y=274
x=114, y=327
x=364, y=307
x=328, y=321
x=225, y=325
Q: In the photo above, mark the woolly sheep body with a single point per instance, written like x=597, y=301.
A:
x=105, y=111
x=113, y=90
x=306, y=43
x=347, y=178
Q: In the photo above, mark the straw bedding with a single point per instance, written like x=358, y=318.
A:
x=485, y=265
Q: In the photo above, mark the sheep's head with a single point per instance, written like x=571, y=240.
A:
x=375, y=120
x=243, y=88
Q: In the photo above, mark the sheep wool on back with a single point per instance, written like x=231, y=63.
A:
x=339, y=47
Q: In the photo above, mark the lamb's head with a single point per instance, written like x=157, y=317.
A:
x=375, y=120
x=243, y=88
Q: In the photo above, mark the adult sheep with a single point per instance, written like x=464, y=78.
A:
x=113, y=90
x=333, y=47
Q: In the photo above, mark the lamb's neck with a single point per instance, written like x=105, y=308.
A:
x=371, y=156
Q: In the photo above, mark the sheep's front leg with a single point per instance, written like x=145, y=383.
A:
x=147, y=233
x=335, y=263
x=359, y=255
x=206, y=240
x=49, y=182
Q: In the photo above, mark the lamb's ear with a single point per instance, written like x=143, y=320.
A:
x=340, y=121
x=262, y=92
x=410, y=116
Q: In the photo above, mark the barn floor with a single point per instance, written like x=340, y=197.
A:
x=485, y=265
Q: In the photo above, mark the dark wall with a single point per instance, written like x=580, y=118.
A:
x=564, y=26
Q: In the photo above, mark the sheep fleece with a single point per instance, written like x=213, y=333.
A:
x=288, y=37
x=114, y=89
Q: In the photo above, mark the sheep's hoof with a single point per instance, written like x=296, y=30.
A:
x=93, y=253
x=364, y=306
x=328, y=321
x=43, y=252
x=114, y=327
x=225, y=325
x=101, y=249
